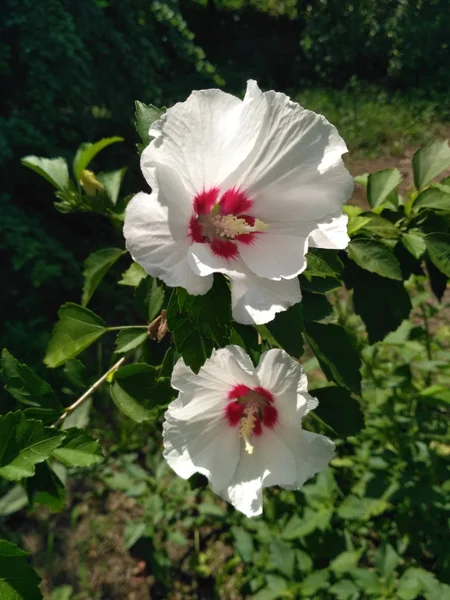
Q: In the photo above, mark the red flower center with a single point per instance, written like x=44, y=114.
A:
x=251, y=409
x=222, y=221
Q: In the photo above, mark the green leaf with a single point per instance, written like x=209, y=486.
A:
x=386, y=559
x=436, y=394
x=243, y=543
x=323, y=263
x=13, y=501
x=78, y=450
x=75, y=371
x=112, y=182
x=434, y=198
x=285, y=331
x=345, y=589
x=95, y=268
x=46, y=488
x=318, y=580
x=18, y=581
x=339, y=410
x=246, y=336
x=199, y=323
x=137, y=392
x=26, y=387
x=129, y=339
x=375, y=257
x=54, y=170
x=315, y=307
x=438, y=246
x=79, y=417
x=437, y=279
x=361, y=509
x=381, y=303
x=149, y=297
x=415, y=244
x=345, y=561
x=62, y=592
x=76, y=330
x=146, y=115
x=282, y=556
x=380, y=226
x=133, y=276
x=319, y=285
x=312, y=520
x=367, y=581
x=23, y=444
x=429, y=162
x=380, y=185
x=87, y=152
x=335, y=350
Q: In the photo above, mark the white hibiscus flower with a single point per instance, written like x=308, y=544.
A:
x=240, y=187
x=241, y=427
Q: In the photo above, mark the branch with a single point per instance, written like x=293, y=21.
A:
x=86, y=395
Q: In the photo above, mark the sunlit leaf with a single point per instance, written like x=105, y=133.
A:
x=375, y=257
x=380, y=185
x=429, y=162
x=54, y=170
x=87, y=152
x=78, y=450
x=75, y=331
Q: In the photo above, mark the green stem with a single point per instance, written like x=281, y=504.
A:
x=120, y=327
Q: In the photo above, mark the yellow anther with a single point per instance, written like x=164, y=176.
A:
x=229, y=226
x=246, y=426
x=90, y=183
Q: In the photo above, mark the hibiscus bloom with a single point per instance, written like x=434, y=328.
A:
x=241, y=427
x=240, y=187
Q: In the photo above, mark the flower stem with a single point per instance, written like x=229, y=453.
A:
x=86, y=395
x=120, y=327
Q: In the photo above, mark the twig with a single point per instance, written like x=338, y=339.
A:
x=86, y=395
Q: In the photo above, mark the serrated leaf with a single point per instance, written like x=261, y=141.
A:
x=345, y=589
x=24, y=444
x=434, y=198
x=18, y=581
x=87, y=152
x=133, y=276
x=345, y=561
x=336, y=352
x=381, y=184
x=285, y=331
x=323, y=263
x=46, y=488
x=380, y=226
x=112, y=181
x=199, y=323
x=129, y=339
x=149, y=297
x=415, y=244
x=381, y=303
x=29, y=389
x=375, y=257
x=54, y=170
x=339, y=410
x=438, y=246
x=95, y=268
x=137, y=391
x=429, y=162
x=146, y=115
x=78, y=450
x=76, y=330
x=318, y=580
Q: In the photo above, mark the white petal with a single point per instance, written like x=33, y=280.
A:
x=275, y=256
x=256, y=300
x=312, y=453
x=282, y=376
x=296, y=172
x=203, y=261
x=206, y=137
x=205, y=395
x=271, y=463
x=332, y=234
x=172, y=194
x=209, y=447
x=151, y=244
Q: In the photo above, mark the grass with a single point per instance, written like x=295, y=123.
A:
x=373, y=121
